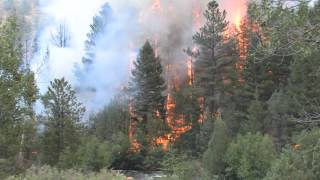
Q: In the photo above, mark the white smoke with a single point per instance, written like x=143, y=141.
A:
x=169, y=25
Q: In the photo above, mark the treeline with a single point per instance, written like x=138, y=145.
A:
x=260, y=90
x=253, y=105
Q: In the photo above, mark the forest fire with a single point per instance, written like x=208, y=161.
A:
x=176, y=122
x=190, y=72
x=197, y=15
x=156, y=45
x=134, y=144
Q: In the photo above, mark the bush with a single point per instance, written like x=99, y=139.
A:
x=6, y=168
x=187, y=170
x=49, y=173
x=95, y=155
x=249, y=157
x=301, y=161
x=92, y=155
x=213, y=158
x=182, y=167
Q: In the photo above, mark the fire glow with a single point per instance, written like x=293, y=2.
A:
x=176, y=122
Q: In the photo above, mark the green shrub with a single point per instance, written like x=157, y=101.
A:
x=213, y=158
x=249, y=157
x=182, y=168
x=48, y=173
x=301, y=161
x=95, y=155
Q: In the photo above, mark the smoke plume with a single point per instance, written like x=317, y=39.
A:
x=169, y=25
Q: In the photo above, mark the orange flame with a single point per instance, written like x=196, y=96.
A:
x=202, y=113
x=134, y=144
x=197, y=15
x=156, y=46
x=237, y=20
x=190, y=72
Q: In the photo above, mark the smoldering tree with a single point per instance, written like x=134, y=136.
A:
x=147, y=87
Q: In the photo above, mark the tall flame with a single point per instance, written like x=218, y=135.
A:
x=134, y=144
x=237, y=20
x=190, y=71
x=177, y=122
x=197, y=14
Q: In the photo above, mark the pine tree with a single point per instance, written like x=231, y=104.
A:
x=147, y=87
x=97, y=28
x=303, y=88
x=216, y=56
x=213, y=158
x=62, y=120
x=187, y=104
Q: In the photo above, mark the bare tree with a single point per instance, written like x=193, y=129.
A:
x=61, y=36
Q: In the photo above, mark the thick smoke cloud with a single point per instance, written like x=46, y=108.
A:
x=167, y=24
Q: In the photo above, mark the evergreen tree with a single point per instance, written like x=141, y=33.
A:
x=147, y=87
x=296, y=106
x=97, y=28
x=187, y=104
x=256, y=119
x=262, y=73
x=303, y=87
x=206, y=130
x=213, y=158
x=17, y=96
x=216, y=56
x=62, y=120
x=111, y=120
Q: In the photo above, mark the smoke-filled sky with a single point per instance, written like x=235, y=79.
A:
x=168, y=24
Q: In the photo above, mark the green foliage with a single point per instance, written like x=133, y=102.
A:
x=249, y=157
x=187, y=104
x=120, y=145
x=49, y=173
x=153, y=158
x=206, y=130
x=280, y=111
x=114, y=118
x=276, y=93
x=147, y=86
x=6, y=168
x=17, y=97
x=62, y=121
x=215, y=56
x=213, y=158
x=147, y=83
x=299, y=161
x=182, y=167
x=303, y=88
x=257, y=120
x=189, y=170
x=95, y=155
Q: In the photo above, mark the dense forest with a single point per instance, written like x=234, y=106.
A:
x=247, y=108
